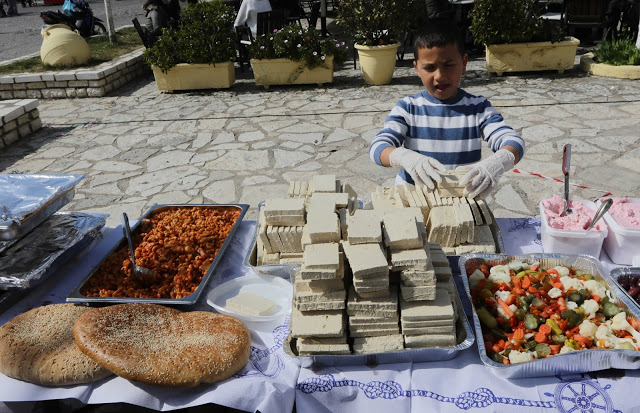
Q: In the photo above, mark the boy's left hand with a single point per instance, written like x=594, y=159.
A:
x=484, y=175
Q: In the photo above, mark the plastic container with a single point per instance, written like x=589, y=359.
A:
x=622, y=244
x=563, y=241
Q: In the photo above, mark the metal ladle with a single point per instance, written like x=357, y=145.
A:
x=604, y=207
x=139, y=272
x=566, y=166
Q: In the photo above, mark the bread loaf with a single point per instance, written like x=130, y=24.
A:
x=162, y=346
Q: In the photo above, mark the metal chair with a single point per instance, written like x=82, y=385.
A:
x=583, y=14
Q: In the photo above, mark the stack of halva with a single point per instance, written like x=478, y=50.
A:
x=318, y=319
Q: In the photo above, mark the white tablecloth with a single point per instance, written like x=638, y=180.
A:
x=271, y=380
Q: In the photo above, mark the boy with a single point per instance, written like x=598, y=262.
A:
x=442, y=127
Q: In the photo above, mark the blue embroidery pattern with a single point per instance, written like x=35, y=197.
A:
x=582, y=396
x=261, y=360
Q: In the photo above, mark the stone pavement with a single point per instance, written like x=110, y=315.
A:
x=138, y=147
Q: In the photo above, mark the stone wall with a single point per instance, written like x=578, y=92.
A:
x=18, y=118
x=93, y=82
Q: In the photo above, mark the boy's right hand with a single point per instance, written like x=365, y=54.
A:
x=423, y=169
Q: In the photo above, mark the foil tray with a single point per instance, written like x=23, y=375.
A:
x=76, y=297
x=28, y=200
x=42, y=251
x=620, y=272
x=581, y=361
x=465, y=339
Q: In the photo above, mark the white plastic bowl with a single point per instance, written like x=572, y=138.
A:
x=563, y=241
x=622, y=244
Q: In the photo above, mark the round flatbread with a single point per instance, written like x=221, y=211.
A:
x=162, y=346
x=38, y=347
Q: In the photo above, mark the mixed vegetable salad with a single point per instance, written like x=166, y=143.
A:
x=528, y=312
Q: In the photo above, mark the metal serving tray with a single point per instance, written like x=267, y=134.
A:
x=617, y=274
x=465, y=339
x=27, y=200
x=77, y=297
x=574, y=362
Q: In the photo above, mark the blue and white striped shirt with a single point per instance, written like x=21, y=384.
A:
x=447, y=130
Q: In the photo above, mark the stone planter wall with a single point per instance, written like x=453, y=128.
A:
x=94, y=82
x=18, y=118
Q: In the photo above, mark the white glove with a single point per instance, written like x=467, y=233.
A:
x=423, y=169
x=483, y=176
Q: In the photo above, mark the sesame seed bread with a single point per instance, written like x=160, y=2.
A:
x=38, y=347
x=163, y=346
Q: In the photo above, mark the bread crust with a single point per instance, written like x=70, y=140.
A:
x=38, y=347
x=163, y=346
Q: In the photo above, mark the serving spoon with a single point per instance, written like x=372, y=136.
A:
x=566, y=166
x=604, y=207
x=139, y=272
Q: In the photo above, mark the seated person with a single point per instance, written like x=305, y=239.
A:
x=248, y=14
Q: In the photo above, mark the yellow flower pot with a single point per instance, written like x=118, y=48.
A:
x=587, y=64
x=190, y=76
x=377, y=63
x=63, y=47
x=269, y=72
x=525, y=57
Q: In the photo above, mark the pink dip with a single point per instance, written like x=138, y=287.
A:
x=578, y=220
x=626, y=213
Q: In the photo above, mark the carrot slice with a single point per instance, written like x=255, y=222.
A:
x=517, y=291
x=526, y=283
x=555, y=348
x=535, y=267
x=505, y=307
x=516, y=281
x=511, y=299
x=545, y=329
x=634, y=323
x=553, y=271
x=582, y=339
x=518, y=334
x=596, y=298
x=540, y=337
x=532, y=290
x=562, y=305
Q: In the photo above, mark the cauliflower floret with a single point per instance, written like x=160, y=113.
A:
x=503, y=295
x=566, y=349
x=475, y=278
x=605, y=336
x=570, y=283
x=499, y=274
x=590, y=308
x=595, y=287
x=501, y=312
x=572, y=305
x=516, y=356
x=588, y=329
x=562, y=271
x=619, y=322
x=555, y=292
x=515, y=264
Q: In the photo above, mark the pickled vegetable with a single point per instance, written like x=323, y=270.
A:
x=486, y=318
x=543, y=350
x=610, y=309
x=530, y=322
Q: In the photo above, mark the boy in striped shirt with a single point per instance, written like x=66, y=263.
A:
x=442, y=127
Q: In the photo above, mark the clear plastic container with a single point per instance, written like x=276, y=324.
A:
x=563, y=241
x=622, y=244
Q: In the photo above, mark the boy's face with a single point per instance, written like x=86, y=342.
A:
x=440, y=69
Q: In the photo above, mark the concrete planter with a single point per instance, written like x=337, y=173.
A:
x=587, y=64
x=188, y=76
x=269, y=72
x=377, y=63
x=525, y=57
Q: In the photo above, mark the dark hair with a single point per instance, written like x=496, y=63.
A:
x=438, y=33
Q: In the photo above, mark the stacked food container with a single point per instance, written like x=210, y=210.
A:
x=35, y=239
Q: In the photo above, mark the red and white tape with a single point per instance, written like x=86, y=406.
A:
x=521, y=171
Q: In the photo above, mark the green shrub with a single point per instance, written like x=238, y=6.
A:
x=375, y=22
x=510, y=21
x=618, y=52
x=298, y=44
x=205, y=35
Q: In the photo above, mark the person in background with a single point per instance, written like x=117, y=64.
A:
x=13, y=8
x=248, y=14
x=442, y=127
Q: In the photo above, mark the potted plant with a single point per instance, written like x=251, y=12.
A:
x=376, y=28
x=517, y=39
x=199, y=54
x=619, y=58
x=295, y=55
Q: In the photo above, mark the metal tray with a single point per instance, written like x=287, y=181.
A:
x=463, y=332
x=40, y=197
x=574, y=362
x=617, y=274
x=77, y=297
